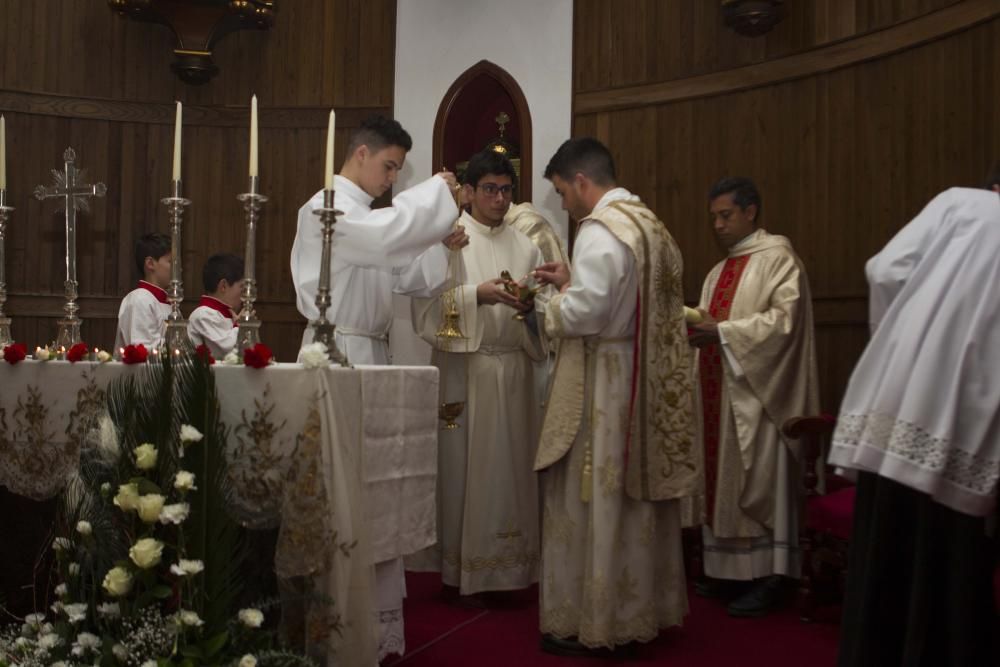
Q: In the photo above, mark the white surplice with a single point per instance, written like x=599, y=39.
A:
x=142, y=317
x=209, y=327
x=488, y=528
x=923, y=404
x=612, y=569
x=376, y=253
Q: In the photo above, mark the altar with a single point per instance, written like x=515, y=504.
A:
x=342, y=460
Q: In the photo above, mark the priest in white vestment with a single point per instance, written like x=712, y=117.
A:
x=756, y=369
x=488, y=523
x=921, y=421
x=616, y=447
x=402, y=248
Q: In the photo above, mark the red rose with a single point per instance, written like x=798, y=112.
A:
x=77, y=352
x=14, y=353
x=134, y=354
x=257, y=356
x=204, y=354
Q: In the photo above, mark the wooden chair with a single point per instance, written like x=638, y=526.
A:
x=828, y=515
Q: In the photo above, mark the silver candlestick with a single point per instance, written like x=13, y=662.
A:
x=323, y=329
x=176, y=340
x=71, y=187
x=249, y=334
x=5, y=211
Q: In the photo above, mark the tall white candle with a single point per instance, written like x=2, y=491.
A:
x=328, y=173
x=3, y=153
x=177, y=144
x=253, y=136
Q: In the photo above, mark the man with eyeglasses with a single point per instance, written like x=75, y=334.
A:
x=488, y=532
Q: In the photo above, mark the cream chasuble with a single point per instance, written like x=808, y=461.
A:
x=764, y=374
x=488, y=527
x=612, y=569
x=376, y=252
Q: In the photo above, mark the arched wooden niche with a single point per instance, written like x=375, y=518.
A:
x=466, y=120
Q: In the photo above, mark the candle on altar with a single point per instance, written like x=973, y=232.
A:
x=3, y=153
x=177, y=144
x=253, y=136
x=328, y=173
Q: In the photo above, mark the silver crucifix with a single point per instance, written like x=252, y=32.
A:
x=71, y=186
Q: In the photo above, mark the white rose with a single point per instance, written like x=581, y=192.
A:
x=128, y=497
x=190, y=434
x=175, y=514
x=76, y=612
x=231, y=359
x=248, y=661
x=117, y=582
x=314, y=355
x=104, y=356
x=146, y=552
x=84, y=527
x=184, y=481
x=120, y=652
x=61, y=590
x=150, y=506
x=185, y=568
x=252, y=618
x=74, y=569
x=61, y=544
x=190, y=618
x=109, y=610
x=145, y=456
x=49, y=641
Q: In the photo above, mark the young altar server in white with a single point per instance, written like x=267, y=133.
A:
x=402, y=248
x=213, y=322
x=143, y=313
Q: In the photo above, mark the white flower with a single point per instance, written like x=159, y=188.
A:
x=232, y=359
x=21, y=642
x=58, y=664
x=175, y=514
x=186, y=567
x=109, y=610
x=107, y=440
x=146, y=552
x=117, y=582
x=184, y=481
x=61, y=543
x=84, y=527
x=47, y=629
x=248, y=661
x=191, y=618
x=49, y=641
x=120, y=652
x=85, y=642
x=34, y=619
x=104, y=356
x=74, y=569
x=57, y=607
x=252, y=618
x=76, y=612
x=61, y=590
x=42, y=354
x=190, y=434
x=128, y=497
x=149, y=507
x=148, y=663
x=314, y=355
x=105, y=488
x=145, y=456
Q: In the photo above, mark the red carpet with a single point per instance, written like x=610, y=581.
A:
x=441, y=635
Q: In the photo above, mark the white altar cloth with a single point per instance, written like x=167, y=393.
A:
x=288, y=426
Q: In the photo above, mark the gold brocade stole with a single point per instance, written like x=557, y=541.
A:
x=710, y=371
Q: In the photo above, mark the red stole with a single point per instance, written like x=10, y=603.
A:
x=216, y=305
x=158, y=292
x=710, y=371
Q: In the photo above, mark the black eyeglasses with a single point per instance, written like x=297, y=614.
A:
x=491, y=189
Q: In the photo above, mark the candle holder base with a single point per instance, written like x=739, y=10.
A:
x=249, y=334
x=69, y=332
x=5, y=335
x=323, y=332
x=176, y=340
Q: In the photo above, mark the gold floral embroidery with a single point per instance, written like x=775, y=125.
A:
x=91, y=404
x=596, y=592
x=625, y=588
x=611, y=477
x=557, y=527
x=519, y=559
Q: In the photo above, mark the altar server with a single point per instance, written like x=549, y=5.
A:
x=213, y=322
x=143, y=313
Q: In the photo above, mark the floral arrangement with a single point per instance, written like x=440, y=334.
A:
x=135, y=354
x=15, y=352
x=258, y=356
x=147, y=557
x=314, y=355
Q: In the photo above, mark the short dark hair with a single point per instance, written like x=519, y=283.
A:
x=219, y=266
x=584, y=155
x=993, y=179
x=378, y=132
x=743, y=190
x=153, y=244
x=488, y=162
